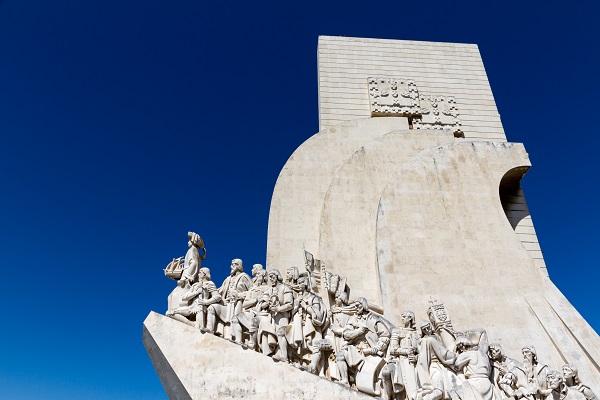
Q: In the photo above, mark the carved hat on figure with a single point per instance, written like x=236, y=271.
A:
x=196, y=240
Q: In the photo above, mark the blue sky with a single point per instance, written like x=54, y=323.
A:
x=124, y=124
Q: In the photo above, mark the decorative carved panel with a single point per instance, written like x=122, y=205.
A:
x=393, y=96
x=437, y=112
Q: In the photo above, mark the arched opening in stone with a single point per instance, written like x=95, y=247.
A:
x=512, y=198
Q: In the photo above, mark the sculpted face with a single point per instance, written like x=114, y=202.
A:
x=568, y=372
x=272, y=279
x=495, y=353
x=426, y=330
x=236, y=266
x=359, y=308
x=289, y=274
x=407, y=318
x=554, y=380
x=527, y=355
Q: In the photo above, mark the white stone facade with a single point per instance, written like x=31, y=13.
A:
x=408, y=196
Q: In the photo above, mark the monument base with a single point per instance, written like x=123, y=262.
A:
x=193, y=365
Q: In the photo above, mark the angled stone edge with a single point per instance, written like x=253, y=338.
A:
x=192, y=365
x=168, y=377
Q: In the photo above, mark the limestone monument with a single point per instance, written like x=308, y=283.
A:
x=402, y=262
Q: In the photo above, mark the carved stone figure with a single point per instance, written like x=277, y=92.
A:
x=559, y=389
x=185, y=270
x=259, y=275
x=366, y=337
x=292, y=320
x=535, y=372
x=399, y=374
x=309, y=320
x=201, y=294
x=281, y=302
x=291, y=276
x=474, y=363
x=571, y=377
x=431, y=372
x=435, y=358
x=236, y=282
x=503, y=367
x=255, y=302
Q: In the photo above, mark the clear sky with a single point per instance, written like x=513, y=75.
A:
x=124, y=124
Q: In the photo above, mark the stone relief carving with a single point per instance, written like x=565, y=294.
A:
x=437, y=112
x=400, y=97
x=571, y=376
x=306, y=319
x=393, y=96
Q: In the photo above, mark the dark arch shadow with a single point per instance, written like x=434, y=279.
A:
x=511, y=196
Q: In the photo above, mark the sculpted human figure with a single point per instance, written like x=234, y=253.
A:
x=503, y=370
x=474, y=363
x=432, y=364
x=309, y=319
x=202, y=294
x=571, y=377
x=259, y=275
x=431, y=372
x=291, y=276
x=236, y=282
x=185, y=271
x=559, y=389
x=193, y=260
x=281, y=302
x=255, y=302
x=341, y=312
x=365, y=334
x=535, y=372
x=399, y=374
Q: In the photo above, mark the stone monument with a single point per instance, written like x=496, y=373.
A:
x=402, y=261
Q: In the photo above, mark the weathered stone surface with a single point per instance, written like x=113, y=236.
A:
x=193, y=365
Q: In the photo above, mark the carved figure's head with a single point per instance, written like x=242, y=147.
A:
x=257, y=269
x=303, y=283
x=259, y=273
x=204, y=274
x=529, y=354
x=463, y=344
x=571, y=373
x=291, y=275
x=195, y=240
x=341, y=298
x=362, y=305
x=555, y=380
x=426, y=329
x=408, y=319
x=236, y=266
x=274, y=277
x=495, y=352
